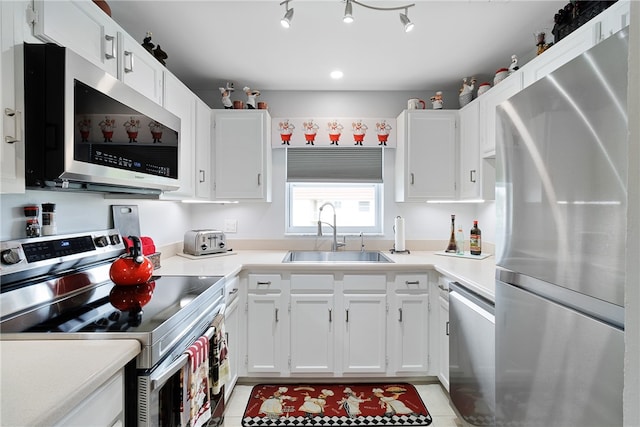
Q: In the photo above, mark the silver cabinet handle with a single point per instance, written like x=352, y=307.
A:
x=411, y=282
x=472, y=175
x=447, y=328
x=201, y=175
x=17, y=128
x=412, y=179
x=347, y=318
x=400, y=319
x=130, y=55
x=259, y=179
x=277, y=315
x=442, y=288
x=110, y=54
x=329, y=315
x=267, y=283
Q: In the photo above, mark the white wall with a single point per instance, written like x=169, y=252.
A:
x=164, y=221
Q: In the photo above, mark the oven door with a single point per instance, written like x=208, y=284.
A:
x=164, y=391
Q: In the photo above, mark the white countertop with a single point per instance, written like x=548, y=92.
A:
x=476, y=274
x=42, y=381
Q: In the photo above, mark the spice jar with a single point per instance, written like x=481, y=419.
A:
x=32, y=228
x=49, y=226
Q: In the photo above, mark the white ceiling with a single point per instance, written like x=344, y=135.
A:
x=212, y=42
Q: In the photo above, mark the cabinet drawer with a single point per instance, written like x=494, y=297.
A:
x=365, y=282
x=265, y=282
x=411, y=282
x=312, y=282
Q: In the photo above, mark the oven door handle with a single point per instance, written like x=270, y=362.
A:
x=158, y=380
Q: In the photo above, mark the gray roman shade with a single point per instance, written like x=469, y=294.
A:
x=332, y=164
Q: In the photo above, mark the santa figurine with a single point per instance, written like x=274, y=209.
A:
x=251, y=97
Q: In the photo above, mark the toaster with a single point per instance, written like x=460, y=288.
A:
x=204, y=242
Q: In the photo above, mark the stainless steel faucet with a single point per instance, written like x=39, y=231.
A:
x=335, y=245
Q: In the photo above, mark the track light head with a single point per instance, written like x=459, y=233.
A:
x=348, y=13
x=408, y=25
x=286, y=19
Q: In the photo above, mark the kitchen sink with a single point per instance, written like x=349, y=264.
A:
x=338, y=256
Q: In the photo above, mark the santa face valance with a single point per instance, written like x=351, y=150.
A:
x=332, y=131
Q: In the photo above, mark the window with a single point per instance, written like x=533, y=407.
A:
x=348, y=178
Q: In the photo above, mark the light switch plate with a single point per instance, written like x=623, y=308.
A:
x=230, y=225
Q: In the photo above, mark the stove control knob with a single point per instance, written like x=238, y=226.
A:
x=115, y=239
x=101, y=241
x=10, y=257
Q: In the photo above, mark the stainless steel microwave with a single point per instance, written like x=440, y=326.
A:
x=86, y=130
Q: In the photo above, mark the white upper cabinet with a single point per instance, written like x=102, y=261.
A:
x=426, y=155
x=141, y=70
x=12, y=148
x=469, y=119
x=204, y=175
x=80, y=26
x=242, y=155
x=487, y=103
x=180, y=101
x=84, y=28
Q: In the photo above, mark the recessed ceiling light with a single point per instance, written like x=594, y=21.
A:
x=337, y=74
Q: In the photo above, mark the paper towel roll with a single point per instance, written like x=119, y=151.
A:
x=399, y=234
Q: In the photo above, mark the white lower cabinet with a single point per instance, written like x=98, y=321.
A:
x=443, y=340
x=102, y=408
x=337, y=324
x=312, y=334
x=364, y=328
x=232, y=327
x=264, y=324
x=408, y=339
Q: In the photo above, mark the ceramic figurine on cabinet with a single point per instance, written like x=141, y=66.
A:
x=226, y=98
x=541, y=42
x=251, y=97
x=147, y=44
x=466, y=91
x=514, y=64
x=437, y=101
x=160, y=55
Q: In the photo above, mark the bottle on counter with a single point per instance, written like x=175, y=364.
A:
x=475, y=239
x=452, y=247
x=32, y=228
x=460, y=242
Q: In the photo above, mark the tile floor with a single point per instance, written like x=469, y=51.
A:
x=432, y=394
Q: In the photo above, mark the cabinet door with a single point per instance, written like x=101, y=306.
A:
x=410, y=335
x=179, y=100
x=488, y=103
x=312, y=333
x=264, y=335
x=231, y=324
x=80, y=26
x=203, y=150
x=612, y=20
x=364, y=333
x=140, y=70
x=426, y=161
x=443, y=341
x=242, y=155
x=469, y=119
x=12, y=144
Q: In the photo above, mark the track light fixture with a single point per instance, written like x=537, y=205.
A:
x=348, y=13
x=286, y=19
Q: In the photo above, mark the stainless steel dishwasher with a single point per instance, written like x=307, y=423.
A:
x=472, y=356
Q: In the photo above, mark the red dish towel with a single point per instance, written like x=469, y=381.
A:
x=148, y=246
x=199, y=405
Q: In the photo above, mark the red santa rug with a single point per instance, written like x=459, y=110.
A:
x=396, y=404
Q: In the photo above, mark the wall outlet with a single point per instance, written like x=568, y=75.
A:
x=230, y=225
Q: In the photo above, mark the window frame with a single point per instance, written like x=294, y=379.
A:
x=377, y=229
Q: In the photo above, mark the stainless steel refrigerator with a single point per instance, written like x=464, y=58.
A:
x=561, y=202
